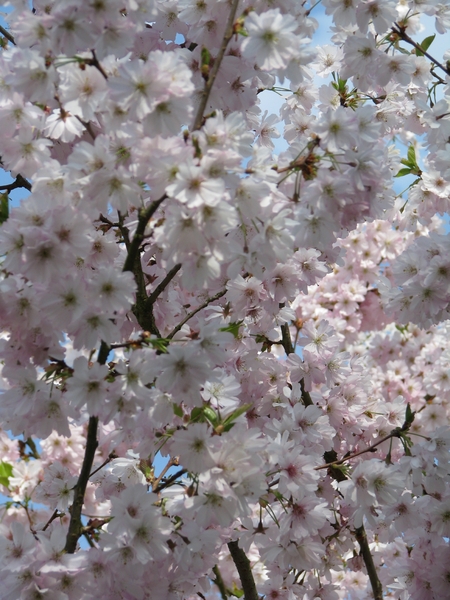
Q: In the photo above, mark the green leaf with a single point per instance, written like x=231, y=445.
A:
x=159, y=344
x=425, y=44
x=235, y=591
x=197, y=415
x=237, y=413
x=4, y=207
x=211, y=415
x=232, y=328
x=403, y=172
x=5, y=473
x=178, y=410
x=206, y=57
x=410, y=415
x=412, y=155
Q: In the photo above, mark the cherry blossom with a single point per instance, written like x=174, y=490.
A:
x=224, y=324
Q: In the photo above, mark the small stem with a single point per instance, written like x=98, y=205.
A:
x=104, y=463
x=54, y=516
x=368, y=449
x=7, y=35
x=244, y=569
x=361, y=538
x=229, y=30
x=289, y=349
x=173, y=462
x=194, y=312
x=171, y=479
x=219, y=582
x=164, y=283
x=405, y=37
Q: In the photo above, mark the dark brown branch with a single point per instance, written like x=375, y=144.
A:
x=104, y=463
x=400, y=31
x=169, y=481
x=392, y=434
x=194, y=312
x=286, y=339
x=75, y=528
x=94, y=62
x=229, y=31
x=19, y=182
x=54, y=516
x=244, y=569
x=7, y=35
x=361, y=538
x=288, y=346
x=144, y=218
x=164, y=283
x=142, y=311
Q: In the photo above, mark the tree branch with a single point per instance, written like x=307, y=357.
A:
x=194, y=312
x=244, y=569
x=7, y=35
x=164, y=283
x=19, y=182
x=400, y=31
x=169, y=481
x=392, y=434
x=289, y=349
x=361, y=538
x=144, y=218
x=229, y=30
x=142, y=311
x=173, y=462
x=75, y=528
x=219, y=582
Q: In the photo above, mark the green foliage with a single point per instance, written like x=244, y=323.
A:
x=410, y=162
x=5, y=473
x=425, y=44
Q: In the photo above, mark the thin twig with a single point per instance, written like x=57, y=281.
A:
x=394, y=433
x=173, y=462
x=244, y=569
x=361, y=538
x=405, y=37
x=169, y=481
x=164, y=283
x=220, y=582
x=7, y=35
x=104, y=463
x=94, y=62
x=194, y=312
x=54, y=516
x=229, y=31
x=289, y=349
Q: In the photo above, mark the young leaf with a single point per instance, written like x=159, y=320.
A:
x=5, y=473
x=403, y=172
x=425, y=44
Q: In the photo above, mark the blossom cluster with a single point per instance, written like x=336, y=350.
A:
x=272, y=327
